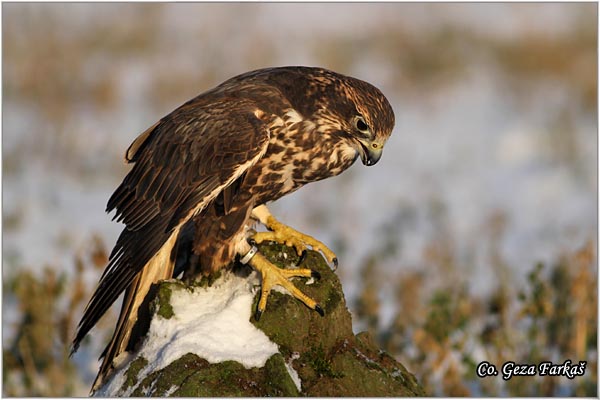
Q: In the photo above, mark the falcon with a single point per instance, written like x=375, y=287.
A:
x=203, y=174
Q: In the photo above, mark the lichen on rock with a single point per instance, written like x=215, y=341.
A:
x=292, y=351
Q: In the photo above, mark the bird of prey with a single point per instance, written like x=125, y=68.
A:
x=203, y=174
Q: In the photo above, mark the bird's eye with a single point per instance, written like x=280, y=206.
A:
x=361, y=125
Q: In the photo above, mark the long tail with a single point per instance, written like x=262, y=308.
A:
x=134, y=319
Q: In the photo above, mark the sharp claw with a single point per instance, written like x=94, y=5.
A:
x=335, y=263
x=302, y=257
x=319, y=310
x=272, y=275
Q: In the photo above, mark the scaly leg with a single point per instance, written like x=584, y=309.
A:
x=281, y=233
x=273, y=275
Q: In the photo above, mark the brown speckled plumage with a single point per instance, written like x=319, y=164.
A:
x=200, y=170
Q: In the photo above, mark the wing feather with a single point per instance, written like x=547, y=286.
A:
x=174, y=176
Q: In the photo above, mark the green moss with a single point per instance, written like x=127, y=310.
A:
x=320, y=362
x=131, y=375
x=279, y=254
x=391, y=371
x=214, y=380
x=278, y=382
x=332, y=301
x=207, y=281
x=159, y=382
x=195, y=377
x=163, y=296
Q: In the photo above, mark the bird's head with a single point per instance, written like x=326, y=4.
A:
x=356, y=112
x=352, y=112
x=370, y=125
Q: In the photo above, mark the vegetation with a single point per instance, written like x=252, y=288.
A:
x=442, y=333
x=36, y=361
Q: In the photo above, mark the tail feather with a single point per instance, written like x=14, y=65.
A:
x=132, y=252
x=134, y=311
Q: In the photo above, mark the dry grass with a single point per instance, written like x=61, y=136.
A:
x=36, y=362
x=436, y=332
x=439, y=329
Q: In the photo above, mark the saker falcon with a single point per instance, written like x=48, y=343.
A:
x=203, y=174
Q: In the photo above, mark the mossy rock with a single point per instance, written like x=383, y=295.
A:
x=192, y=376
x=290, y=323
x=323, y=352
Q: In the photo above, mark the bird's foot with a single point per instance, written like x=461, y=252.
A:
x=284, y=234
x=273, y=275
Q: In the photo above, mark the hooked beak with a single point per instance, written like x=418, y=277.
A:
x=370, y=153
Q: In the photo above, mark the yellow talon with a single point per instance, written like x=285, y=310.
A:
x=281, y=233
x=272, y=275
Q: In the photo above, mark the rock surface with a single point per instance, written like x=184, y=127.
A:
x=317, y=356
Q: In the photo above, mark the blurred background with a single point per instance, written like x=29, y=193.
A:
x=474, y=238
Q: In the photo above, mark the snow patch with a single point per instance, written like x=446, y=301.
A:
x=213, y=323
x=292, y=372
x=171, y=390
x=294, y=375
x=112, y=386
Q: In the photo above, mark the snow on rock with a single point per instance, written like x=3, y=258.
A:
x=213, y=323
x=293, y=373
x=186, y=349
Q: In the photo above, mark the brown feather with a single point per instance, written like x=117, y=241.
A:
x=200, y=170
x=138, y=143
